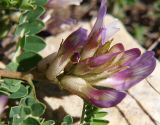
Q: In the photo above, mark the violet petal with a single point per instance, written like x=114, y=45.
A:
x=90, y=64
x=116, y=48
x=112, y=29
x=99, y=22
x=105, y=98
x=74, y=41
x=138, y=70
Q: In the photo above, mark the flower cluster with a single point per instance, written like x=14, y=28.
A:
x=87, y=65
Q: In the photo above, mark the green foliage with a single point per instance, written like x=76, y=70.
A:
x=30, y=43
x=28, y=110
x=32, y=15
x=49, y=122
x=34, y=44
x=30, y=28
x=139, y=31
x=9, y=86
x=93, y=115
x=22, y=4
x=68, y=120
x=31, y=121
x=4, y=23
x=20, y=93
x=119, y=6
x=37, y=109
x=28, y=60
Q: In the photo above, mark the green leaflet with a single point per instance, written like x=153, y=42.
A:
x=41, y=2
x=28, y=112
x=34, y=44
x=49, y=122
x=28, y=60
x=28, y=109
x=67, y=120
x=10, y=85
x=29, y=28
x=22, y=4
x=14, y=111
x=30, y=16
x=31, y=121
x=30, y=43
x=21, y=92
x=38, y=109
x=93, y=116
x=28, y=101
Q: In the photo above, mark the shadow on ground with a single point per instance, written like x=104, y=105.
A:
x=51, y=90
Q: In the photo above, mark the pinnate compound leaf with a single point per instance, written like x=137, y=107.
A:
x=94, y=116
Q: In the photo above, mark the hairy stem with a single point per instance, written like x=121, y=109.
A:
x=24, y=75
x=16, y=75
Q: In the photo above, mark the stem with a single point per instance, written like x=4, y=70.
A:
x=33, y=87
x=24, y=76
x=16, y=75
x=83, y=113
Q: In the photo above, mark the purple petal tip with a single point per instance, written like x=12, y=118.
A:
x=106, y=98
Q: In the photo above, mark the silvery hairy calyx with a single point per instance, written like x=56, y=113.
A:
x=90, y=67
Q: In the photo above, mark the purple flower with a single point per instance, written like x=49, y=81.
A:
x=3, y=102
x=95, y=70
